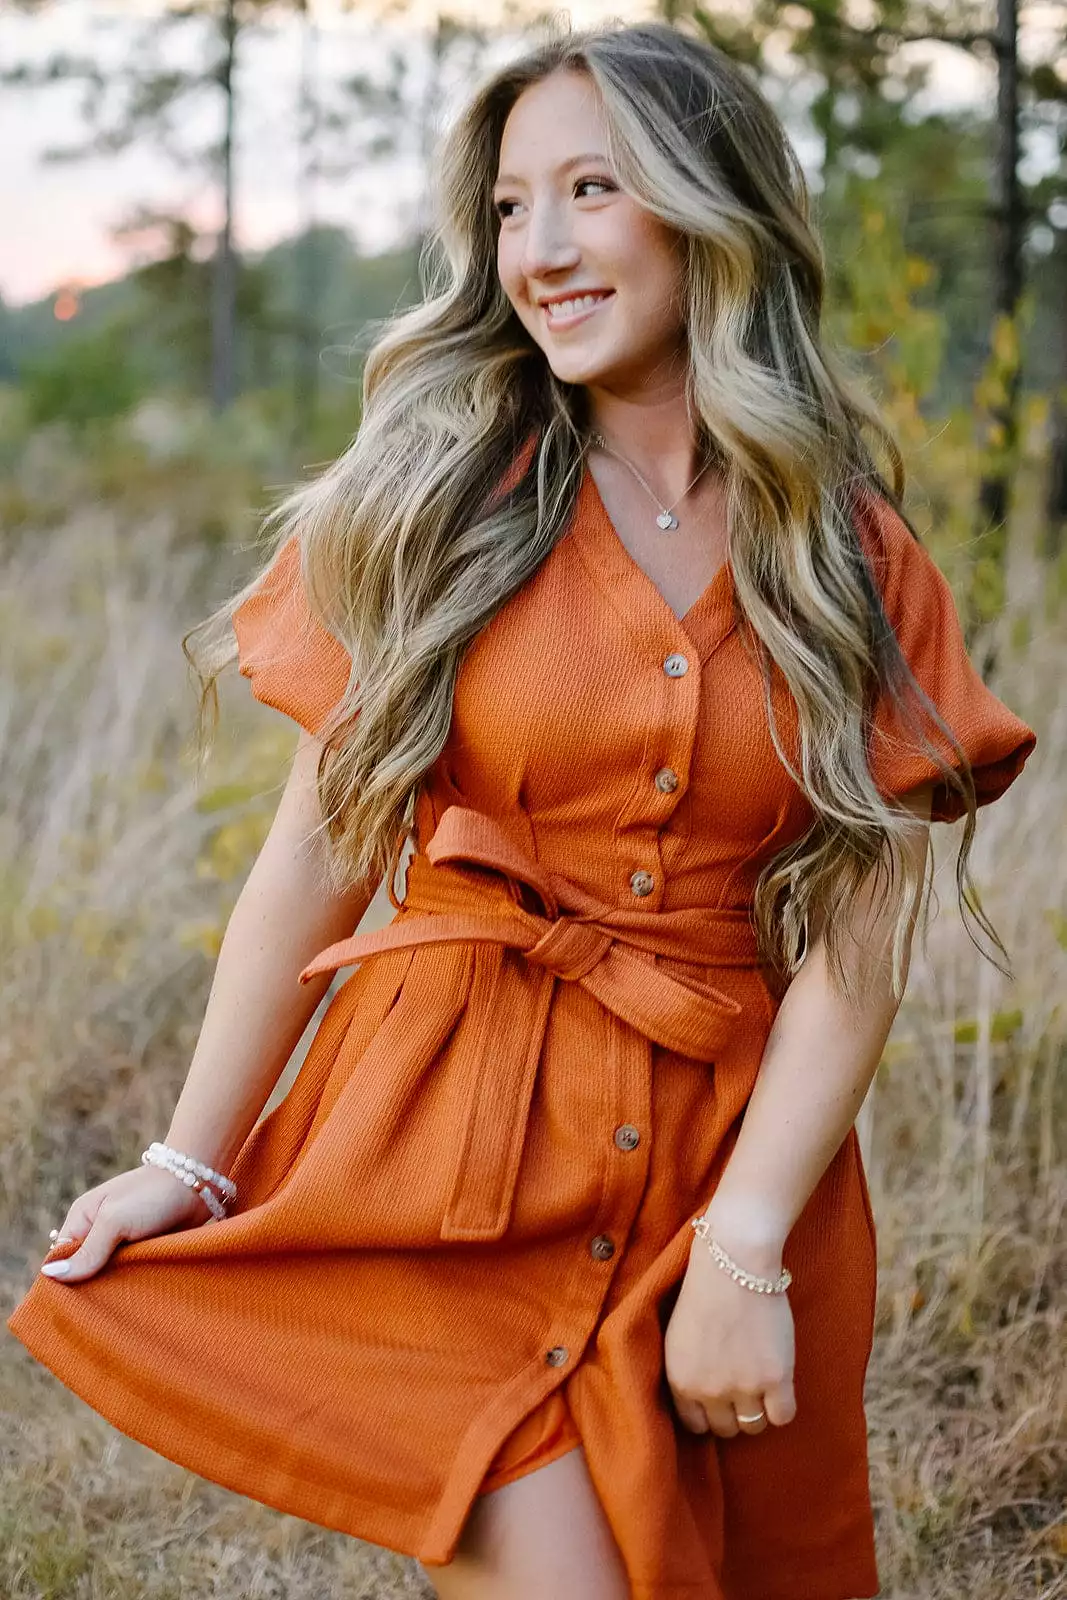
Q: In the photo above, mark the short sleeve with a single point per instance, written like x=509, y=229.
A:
x=291, y=660
x=922, y=612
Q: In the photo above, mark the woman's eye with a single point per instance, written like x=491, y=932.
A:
x=501, y=207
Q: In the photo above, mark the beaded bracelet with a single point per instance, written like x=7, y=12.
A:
x=219, y=1179
x=151, y=1158
x=192, y=1173
x=748, y=1280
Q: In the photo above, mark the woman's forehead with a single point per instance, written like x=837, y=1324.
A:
x=557, y=120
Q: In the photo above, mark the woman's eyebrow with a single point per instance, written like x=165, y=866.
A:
x=571, y=161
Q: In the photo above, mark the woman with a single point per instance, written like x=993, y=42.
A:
x=607, y=603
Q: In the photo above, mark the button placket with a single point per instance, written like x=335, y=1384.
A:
x=627, y=1087
x=671, y=757
x=662, y=781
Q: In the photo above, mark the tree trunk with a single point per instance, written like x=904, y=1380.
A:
x=1056, y=502
x=224, y=285
x=306, y=370
x=991, y=534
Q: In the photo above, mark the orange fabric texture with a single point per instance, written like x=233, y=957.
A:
x=545, y=1435
x=477, y=1193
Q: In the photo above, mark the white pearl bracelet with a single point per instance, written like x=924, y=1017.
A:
x=210, y=1199
x=226, y=1186
x=194, y=1174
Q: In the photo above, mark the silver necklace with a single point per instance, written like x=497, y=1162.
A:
x=666, y=518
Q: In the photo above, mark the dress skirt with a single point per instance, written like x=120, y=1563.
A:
x=459, y=1238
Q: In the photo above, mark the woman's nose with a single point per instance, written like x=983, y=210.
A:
x=547, y=246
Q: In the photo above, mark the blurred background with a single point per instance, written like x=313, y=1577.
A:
x=204, y=203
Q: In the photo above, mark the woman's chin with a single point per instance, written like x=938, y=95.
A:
x=572, y=366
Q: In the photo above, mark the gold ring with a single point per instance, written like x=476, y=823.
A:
x=757, y=1418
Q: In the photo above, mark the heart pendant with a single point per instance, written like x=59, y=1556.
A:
x=667, y=519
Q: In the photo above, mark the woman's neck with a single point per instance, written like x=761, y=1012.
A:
x=654, y=434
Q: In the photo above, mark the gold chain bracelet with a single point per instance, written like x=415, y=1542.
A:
x=748, y=1280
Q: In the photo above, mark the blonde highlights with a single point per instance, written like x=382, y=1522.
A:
x=409, y=546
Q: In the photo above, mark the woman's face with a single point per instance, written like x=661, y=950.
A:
x=567, y=230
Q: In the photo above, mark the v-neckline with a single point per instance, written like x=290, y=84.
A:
x=707, y=621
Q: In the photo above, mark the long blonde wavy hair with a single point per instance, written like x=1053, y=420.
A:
x=407, y=551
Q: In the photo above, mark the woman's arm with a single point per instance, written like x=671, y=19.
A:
x=256, y=1012
x=257, y=1009
x=817, y=1065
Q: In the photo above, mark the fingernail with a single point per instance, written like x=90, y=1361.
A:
x=56, y=1269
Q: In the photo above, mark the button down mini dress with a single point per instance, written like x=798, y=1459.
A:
x=459, y=1237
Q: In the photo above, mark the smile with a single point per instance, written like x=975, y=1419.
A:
x=567, y=313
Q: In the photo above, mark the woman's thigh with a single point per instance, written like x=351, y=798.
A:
x=545, y=1534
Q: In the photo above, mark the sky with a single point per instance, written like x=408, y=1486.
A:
x=62, y=214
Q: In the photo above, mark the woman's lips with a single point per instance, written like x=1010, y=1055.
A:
x=558, y=323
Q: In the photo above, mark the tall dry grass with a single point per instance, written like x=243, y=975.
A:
x=118, y=874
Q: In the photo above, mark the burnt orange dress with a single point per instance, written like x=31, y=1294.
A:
x=470, y=1214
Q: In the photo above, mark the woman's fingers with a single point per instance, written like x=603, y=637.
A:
x=721, y=1418
x=751, y=1412
x=79, y=1219
x=692, y=1414
x=780, y=1402
x=705, y=1415
x=74, y=1227
x=726, y=1417
x=133, y=1205
x=97, y=1245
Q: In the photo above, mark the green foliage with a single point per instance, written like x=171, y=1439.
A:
x=1004, y=1025
x=85, y=379
x=149, y=334
x=878, y=283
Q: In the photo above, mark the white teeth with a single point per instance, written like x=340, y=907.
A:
x=568, y=308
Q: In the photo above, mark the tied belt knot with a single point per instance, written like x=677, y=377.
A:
x=569, y=949
x=473, y=884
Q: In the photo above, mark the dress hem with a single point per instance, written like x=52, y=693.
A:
x=427, y=1540
x=433, y=1544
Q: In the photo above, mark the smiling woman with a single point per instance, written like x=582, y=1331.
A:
x=562, y=307
x=575, y=251
x=555, y=1269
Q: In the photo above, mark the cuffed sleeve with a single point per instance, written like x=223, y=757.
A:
x=290, y=659
x=922, y=611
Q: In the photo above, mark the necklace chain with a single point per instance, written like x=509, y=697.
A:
x=666, y=518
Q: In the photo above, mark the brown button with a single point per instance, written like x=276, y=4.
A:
x=675, y=665
x=602, y=1247
x=627, y=1136
x=642, y=882
x=666, y=780
x=557, y=1355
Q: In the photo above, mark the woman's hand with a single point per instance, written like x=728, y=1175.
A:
x=133, y=1205
x=728, y=1350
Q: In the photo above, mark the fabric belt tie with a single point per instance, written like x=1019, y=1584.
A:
x=472, y=884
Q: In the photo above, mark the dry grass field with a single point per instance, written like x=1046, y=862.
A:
x=119, y=869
